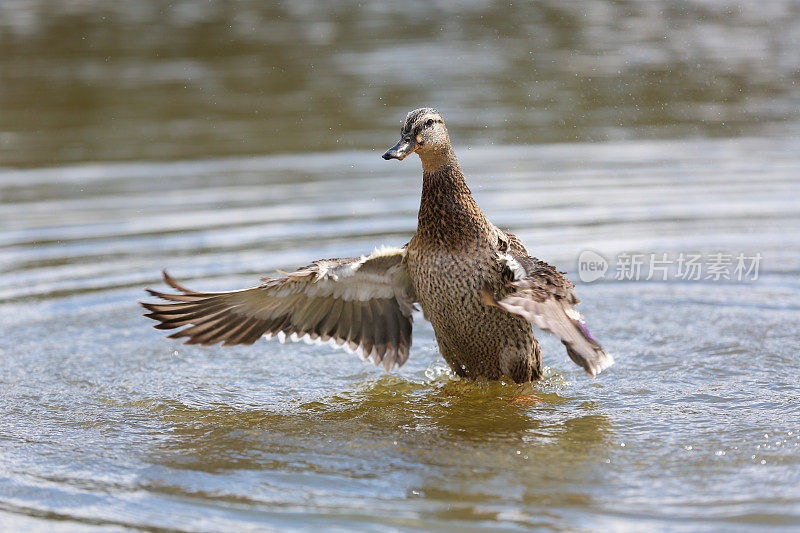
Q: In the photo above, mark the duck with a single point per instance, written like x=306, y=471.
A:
x=476, y=284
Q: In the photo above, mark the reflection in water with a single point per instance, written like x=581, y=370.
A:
x=389, y=439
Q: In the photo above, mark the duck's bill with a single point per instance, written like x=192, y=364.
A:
x=401, y=150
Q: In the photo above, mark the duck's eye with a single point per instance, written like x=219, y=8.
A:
x=429, y=122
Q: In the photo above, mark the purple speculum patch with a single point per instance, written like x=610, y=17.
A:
x=586, y=330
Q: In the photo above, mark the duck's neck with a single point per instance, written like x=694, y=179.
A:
x=448, y=214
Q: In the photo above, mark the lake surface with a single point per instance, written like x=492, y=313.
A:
x=147, y=135
x=108, y=423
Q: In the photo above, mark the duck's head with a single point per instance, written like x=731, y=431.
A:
x=423, y=132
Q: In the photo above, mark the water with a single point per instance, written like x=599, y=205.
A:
x=96, y=80
x=108, y=425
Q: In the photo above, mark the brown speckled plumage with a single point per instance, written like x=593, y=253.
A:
x=476, y=284
x=451, y=262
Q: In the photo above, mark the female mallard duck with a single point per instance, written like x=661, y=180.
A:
x=476, y=284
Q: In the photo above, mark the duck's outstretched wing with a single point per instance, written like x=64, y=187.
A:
x=543, y=296
x=363, y=304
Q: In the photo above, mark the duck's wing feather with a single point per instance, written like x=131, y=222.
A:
x=363, y=304
x=543, y=296
x=505, y=241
